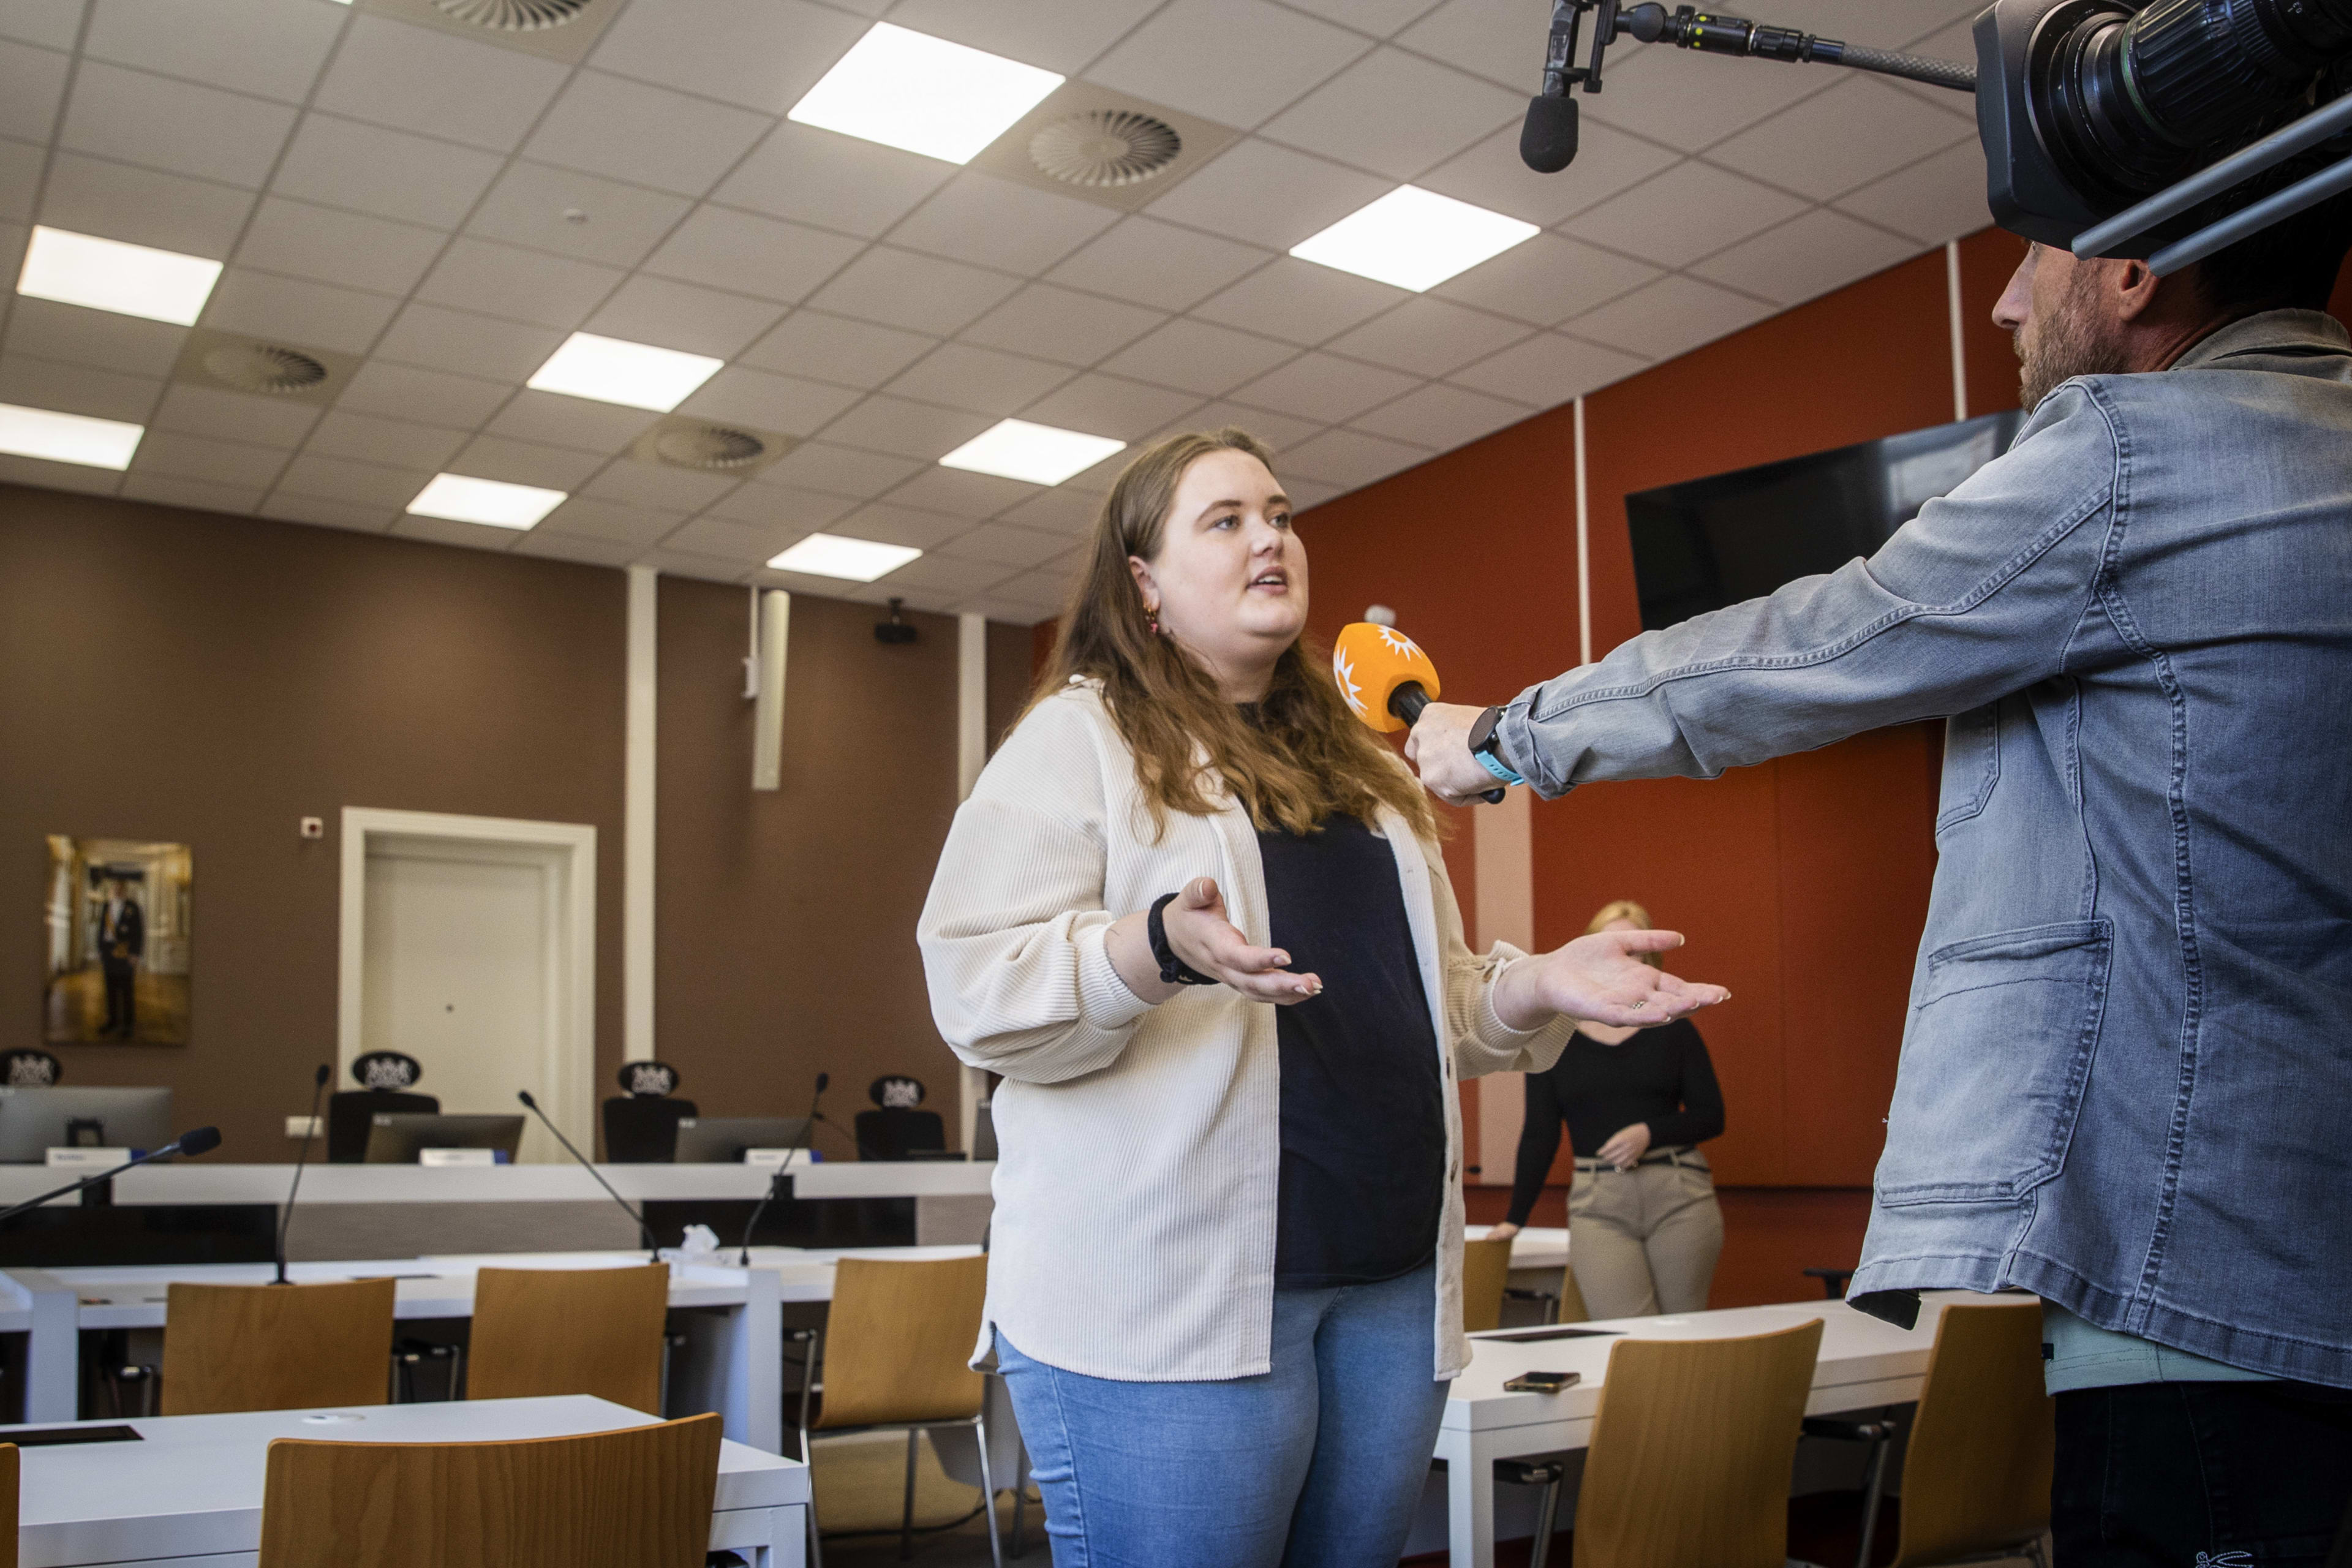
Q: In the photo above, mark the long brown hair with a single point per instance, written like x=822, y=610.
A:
x=1307, y=756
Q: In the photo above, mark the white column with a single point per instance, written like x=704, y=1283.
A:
x=971, y=755
x=768, y=710
x=1960, y=333
x=638, y=821
x=1583, y=549
x=1502, y=848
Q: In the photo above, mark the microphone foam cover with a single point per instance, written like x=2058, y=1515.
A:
x=319, y=1078
x=201, y=1140
x=823, y=1081
x=1547, y=138
x=1370, y=662
x=524, y=1095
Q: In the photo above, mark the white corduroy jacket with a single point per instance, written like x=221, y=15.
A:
x=1139, y=1146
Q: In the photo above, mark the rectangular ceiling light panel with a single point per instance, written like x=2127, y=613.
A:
x=1040, y=454
x=109, y=275
x=832, y=555
x=636, y=375
x=67, y=437
x=922, y=94
x=1414, y=238
x=491, y=503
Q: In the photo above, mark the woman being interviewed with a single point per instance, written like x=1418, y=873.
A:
x=1224, y=1288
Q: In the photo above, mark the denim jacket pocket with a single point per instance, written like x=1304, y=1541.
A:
x=1991, y=1079
x=1971, y=764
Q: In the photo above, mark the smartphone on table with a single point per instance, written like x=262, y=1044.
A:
x=1543, y=1382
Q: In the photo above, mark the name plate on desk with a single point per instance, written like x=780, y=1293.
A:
x=87, y=1158
x=445, y=1158
x=772, y=1159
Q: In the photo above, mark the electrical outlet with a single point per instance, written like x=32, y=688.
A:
x=306, y=1127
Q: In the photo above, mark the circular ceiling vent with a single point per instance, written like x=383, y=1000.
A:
x=513, y=16
x=708, y=447
x=265, y=367
x=1105, y=147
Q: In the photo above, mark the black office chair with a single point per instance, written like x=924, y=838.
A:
x=896, y=1130
x=641, y=1121
x=384, y=1077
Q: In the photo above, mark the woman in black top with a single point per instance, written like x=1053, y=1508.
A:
x=1644, y=1226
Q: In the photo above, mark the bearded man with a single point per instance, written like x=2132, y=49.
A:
x=2126, y=1072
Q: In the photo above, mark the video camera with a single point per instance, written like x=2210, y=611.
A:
x=2101, y=119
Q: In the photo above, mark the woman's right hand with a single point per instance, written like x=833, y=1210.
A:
x=1503, y=1232
x=1201, y=934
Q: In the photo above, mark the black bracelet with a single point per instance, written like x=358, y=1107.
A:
x=1173, y=971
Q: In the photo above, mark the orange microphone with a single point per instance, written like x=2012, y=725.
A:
x=1386, y=678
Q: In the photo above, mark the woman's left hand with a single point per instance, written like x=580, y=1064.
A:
x=1625, y=1146
x=1600, y=979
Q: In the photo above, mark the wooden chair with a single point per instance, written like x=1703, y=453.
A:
x=640, y=1498
x=1976, y=1480
x=10, y=1464
x=1565, y=1305
x=897, y=1349
x=570, y=1331
x=1485, y=1275
x=275, y=1347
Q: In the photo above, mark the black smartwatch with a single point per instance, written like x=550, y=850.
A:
x=1173, y=971
x=1486, y=746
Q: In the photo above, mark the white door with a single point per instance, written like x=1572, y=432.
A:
x=460, y=964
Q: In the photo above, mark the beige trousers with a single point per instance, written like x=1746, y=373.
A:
x=1644, y=1241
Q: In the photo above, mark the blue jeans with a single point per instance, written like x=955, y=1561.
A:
x=1316, y=1464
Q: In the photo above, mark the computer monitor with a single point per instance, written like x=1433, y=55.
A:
x=722, y=1140
x=34, y=1121
x=395, y=1137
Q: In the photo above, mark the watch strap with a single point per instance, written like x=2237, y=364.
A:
x=1173, y=971
x=1496, y=766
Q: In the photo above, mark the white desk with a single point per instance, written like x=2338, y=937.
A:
x=1863, y=1363
x=191, y=1491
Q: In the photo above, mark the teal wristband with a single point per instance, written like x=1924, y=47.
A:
x=1496, y=766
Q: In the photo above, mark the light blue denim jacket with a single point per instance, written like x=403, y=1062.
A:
x=2126, y=1074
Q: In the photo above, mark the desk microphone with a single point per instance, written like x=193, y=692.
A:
x=1386, y=678
x=776, y=1182
x=644, y=1231
x=199, y=1140
x=318, y=1087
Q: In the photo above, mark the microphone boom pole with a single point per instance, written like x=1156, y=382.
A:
x=310, y=1129
x=198, y=1141
x=776, y=1182
x=644, y=1231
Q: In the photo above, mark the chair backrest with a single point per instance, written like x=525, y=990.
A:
x=1691, y=1452
x=275, y=1347
x=1486, y=1273
x=899, y=1339
x=352, y=1114
x=570, y=1331
x=640, y=1498
x=10, y=1457
x=1977, y=1475
x=894, y=1135
x=641, y=1130
x=1572, y=1309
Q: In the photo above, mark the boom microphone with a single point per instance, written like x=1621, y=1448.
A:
x=644, y=1231
x=198, y=1141
x=310, y=1129
x=1386, y=678
x=783, y=1172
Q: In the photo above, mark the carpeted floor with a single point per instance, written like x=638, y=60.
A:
x=860, y=1484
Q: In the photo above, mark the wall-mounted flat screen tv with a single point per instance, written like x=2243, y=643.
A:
x=1705, y=543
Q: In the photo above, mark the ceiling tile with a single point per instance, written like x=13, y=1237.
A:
x=961, y=492
x=32, y=81
x=101, y=339
x=767, y=401
x=1350, y=458
x=684, y=316
x=357, y=518
x=1693, y=101
x=574, y=548
x=1693, y=209
x=12, y=236
x=672, y=563
x=1268, y=196
x=656, y=487
x=20, y=178
x=559, y=421
x=174, y=125
x=1937, y=199
x=834, y=182
x=362, y=484
x=1548, y=280
x=233, y=415
x=918, y=293
x=1007, y=545
x=725, y=539
x=900, y=525
x=1503, y=43
x=427, y=396
x=52, y=24
x=752, y=255
x=834, y=347
x=76, y=389
x=502, y=280
x=1279, y=431
x=1428, y=336
x=466, y=344
x=91, y=196
x=984, y=381
x=838, y=470
x=978, y=217
x=1159, y=263
x=200, y=457
x=942, y=573
x=760, y=54
x=611, y=521
x=347, y=164
x=631, y=130
x=1354, y=117
x=316, y=315
x=1308, y=494
x=1200, y=357
x=562, y=469
x=416, y=78
x=72, y=476
x=1667, y=317
x=1067, y=513
x=1492, y=174
x=396, y=443
x=1549, y=370
x=1056, y=35
x=202, y=495
x=305, y=240
x=1047, y=588
x=1107, y=406
x=618, y=224
x=1322, y=386
x=1442, y=416
x=1806, y=256
x=784, y=508
x=1848, y=136
x=918, y=430
x=273, y=47
x=466, y=535
x=1233, y=61
x=1299, y=301
x=1060, y=324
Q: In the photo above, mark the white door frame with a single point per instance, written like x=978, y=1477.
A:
x=570, y=956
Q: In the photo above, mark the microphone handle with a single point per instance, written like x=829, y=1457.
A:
x=644, y=1231
x=1406, y=702
x=310, y=1129
x=72, y=1187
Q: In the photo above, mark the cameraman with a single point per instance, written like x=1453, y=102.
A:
x=2127, y=1071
